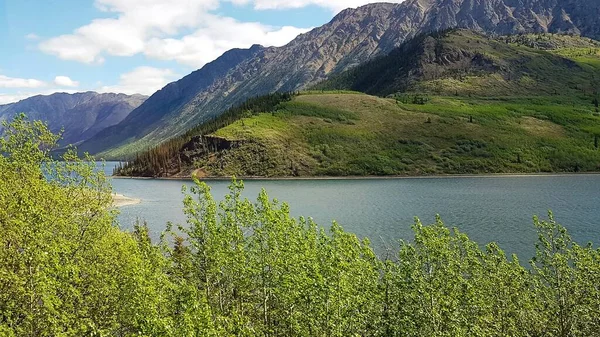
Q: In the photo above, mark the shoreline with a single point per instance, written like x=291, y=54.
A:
x=120, y=200
x=392, y=177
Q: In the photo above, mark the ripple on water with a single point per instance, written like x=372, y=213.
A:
x=486, y=208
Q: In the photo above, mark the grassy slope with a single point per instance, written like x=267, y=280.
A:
x=356, y=134
x=466, y=75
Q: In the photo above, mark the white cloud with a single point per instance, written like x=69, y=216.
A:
x=32, y=36
x=86, y=45
x=7, y=98
x=12, y=98
x=219, y=35
x=20, y=88
x=11, y=82
x=135, y=23
x=142, y=80
x=153, y=27
x=64, y=81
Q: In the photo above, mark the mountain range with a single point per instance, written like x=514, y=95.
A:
x=460, y=62
x=353, y=37
x=449, y=102
x=350, y=52
x=80, y=115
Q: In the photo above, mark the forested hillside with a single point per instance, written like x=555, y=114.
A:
x=175, y=155
x=249, y=269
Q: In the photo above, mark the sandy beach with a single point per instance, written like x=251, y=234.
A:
x=120, y=200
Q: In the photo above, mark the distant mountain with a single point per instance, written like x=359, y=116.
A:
x=176, y=96
x=351, y=38
x=80, y=115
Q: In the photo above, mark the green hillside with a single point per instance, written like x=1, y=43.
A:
x=338, y=134
x=334, y=134
x=450, y=103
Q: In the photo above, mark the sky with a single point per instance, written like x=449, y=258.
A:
x=137, y=46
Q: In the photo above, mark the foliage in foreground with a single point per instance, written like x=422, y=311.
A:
x=249, y=269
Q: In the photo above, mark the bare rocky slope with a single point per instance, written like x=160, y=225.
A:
x=81, y=115
x=352, y=37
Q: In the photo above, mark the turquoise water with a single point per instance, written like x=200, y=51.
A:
x=488, y=209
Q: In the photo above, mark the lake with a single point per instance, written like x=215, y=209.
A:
x=497, y=208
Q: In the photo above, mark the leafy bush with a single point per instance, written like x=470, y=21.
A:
x=65, y=267
x=250, y=269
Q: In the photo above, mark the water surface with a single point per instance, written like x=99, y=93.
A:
x=488, y=209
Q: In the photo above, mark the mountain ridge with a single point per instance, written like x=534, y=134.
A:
x=350, y=38
x=82, y=115
x=463, y=62
x=467, y=103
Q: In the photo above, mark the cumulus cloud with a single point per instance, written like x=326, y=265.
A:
x=112, y=36
x=12, y=98
x=219, y=35
x=142, y=80
x=125, y=35
x=7, y=98
x=11, y=82
x=153, y=28
x=17, y=89
x=64, y=81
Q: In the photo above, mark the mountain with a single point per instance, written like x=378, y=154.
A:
x=461, y=102
x=351, y=38
x=463, y=62
x=80, y=115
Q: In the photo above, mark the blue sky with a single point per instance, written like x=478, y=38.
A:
x=136, y=46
